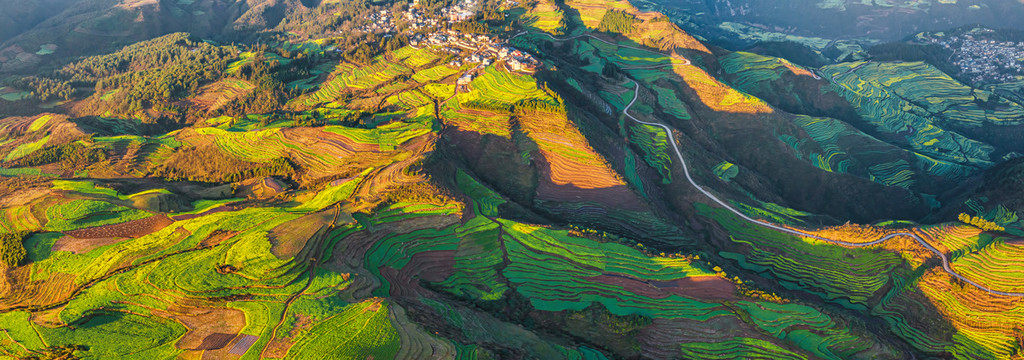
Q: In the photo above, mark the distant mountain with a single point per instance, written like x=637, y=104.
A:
x=37, y=33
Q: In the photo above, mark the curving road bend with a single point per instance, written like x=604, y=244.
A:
x=686, y=171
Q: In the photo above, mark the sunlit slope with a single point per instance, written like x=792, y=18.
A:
x=376, y=207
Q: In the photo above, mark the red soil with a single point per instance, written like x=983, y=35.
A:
x=131, y=229
x=700, y=287
x=208, y=328
x=617, y=196
x=430, y=266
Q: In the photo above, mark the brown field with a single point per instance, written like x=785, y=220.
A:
x=704, y=287
x=570, y=169
x=131, y=229
x=796, y=69
x=430, y=266
x=396, y=173
x=661, y=339
x=207, y=326
x=286, y=240
x=24, y=291
x=215, y=96
x=573, y=161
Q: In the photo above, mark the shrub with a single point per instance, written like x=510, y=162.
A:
x=617, y=21
x=11, y=249
x=980, y=222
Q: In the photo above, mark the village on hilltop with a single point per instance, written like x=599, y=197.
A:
x=982, y=59
x=468, y=48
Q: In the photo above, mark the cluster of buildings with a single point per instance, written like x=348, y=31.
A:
x=480, y=49
x=477, y=48
x=383, y=21
x=985, y=61
x=380, y=22
x=461, y=10
x=418, y=20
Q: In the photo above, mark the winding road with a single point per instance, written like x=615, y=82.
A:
x=686, y=171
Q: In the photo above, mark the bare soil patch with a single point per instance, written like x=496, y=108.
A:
x=131, y=229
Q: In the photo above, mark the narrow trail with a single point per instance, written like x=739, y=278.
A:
x=686, y=171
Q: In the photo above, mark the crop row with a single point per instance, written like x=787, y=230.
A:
x=350, y=76
x=361, y=330
x=854, y=274
x=904, y=99
x=502, y=87
x=653, y=143
x=808, y=328
x=78, y=214
x=986, y=325
x=670, y=103
x=420, y=57
x=998, y=266
x=483, y=122
x=738, y=348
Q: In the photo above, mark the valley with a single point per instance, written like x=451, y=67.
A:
x=575, y=179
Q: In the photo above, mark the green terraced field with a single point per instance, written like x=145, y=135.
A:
x=994, y=265
x=504, y=88
x=348, y=77
x=726, y=171
x=435, y=73
x=915, y=100
x=805, y=264
x=26, y=148
x=88, y=213
x=655, y=149
x=415, y=58
x=417, y=219
x=360, y=330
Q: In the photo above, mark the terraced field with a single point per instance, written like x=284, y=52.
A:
x=359, y=330
x=892, y=98
x=718, y=96
x=994, y=266
x=545, y=17
x=415, y=58
x=573, y=162
x=349, y=77
x=986, y=325
x=327, y=155
x=754, y=70
x=655, y=149
x=808, y=264
x=500, y=87
x=384, y=212
x=435, y=73
x=478, y=121
x=219, y=94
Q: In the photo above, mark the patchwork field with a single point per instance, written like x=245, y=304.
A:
x=891, y=98
x=356, y=199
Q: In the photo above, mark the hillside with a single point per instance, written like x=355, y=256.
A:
x=577, y=179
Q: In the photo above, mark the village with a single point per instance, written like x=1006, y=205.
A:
x=984, y=60
x=467, y=48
